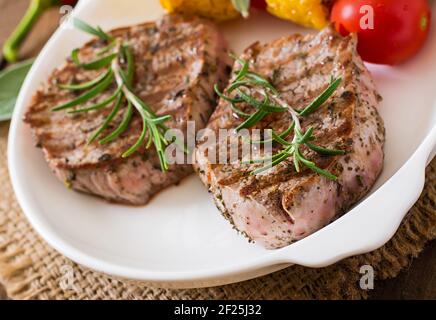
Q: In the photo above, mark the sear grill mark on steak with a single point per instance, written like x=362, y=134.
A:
x=177, y=60
x=281, y=206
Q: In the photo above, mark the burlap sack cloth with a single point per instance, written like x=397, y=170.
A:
x=30, y=269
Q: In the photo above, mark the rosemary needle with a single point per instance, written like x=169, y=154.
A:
x=85, y=85
x=98, y=32
x=108, y=120
x=121, y=128
x=322, y=98
x=99, y=88
x=99, y=105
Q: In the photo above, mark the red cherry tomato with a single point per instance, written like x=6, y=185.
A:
x=389, y=31
x=258, y=4
x=69, y=2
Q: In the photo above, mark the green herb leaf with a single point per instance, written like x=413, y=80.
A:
x=98, y=32
x=75, y=57
x=324, y=151
x=279, y=139
x=259, y=80
x=108, y=120
x=99, y=63
x=223, y=96
x=238, y=111
x=11, y=80
x=138, y=142
x=108, y=48
x=237, y=84
x=121, y=128
x=265, y=106
x=322, y=98
x=254, y=118
x=99, y=105
x=85, y=85
x=308, y=136
x=87, y=95
x=243, y=71
x=312, y=166
x=130, y=67
x=93, y=65
x=283, y=135
x=277, y=159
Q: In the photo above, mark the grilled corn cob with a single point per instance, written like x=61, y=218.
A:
x=309, y=13
x=218, y=10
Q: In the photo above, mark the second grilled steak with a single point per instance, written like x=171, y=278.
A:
x=177, y=62
x=281, y=205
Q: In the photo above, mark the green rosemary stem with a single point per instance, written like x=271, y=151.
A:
x=151, y=123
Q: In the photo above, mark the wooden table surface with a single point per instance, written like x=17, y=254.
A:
x=416, y=282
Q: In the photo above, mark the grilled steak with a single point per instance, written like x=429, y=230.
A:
x=178, y=60
x=281, y=206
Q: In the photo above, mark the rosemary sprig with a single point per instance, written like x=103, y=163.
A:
x=246, y=88
x=113, y=57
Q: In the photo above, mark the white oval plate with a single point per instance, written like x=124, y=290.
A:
x=180, y=239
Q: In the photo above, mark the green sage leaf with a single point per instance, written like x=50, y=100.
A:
x=11, y=80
